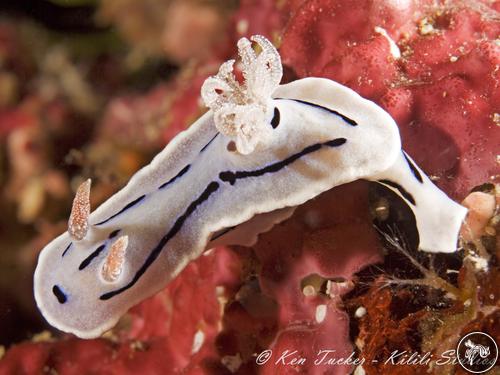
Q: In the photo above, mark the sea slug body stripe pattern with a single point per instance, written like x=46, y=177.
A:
x=274, y=123
x=231, y=177
x=178, y=175
x=332, y=111
x=208, y=144
x=138, y=200
x=131, y=204
x=414, y=169
x=209, y=190
x=67, y=249
x=406, y=195
x=113, y=234
x=61, y=297
x=86, y=262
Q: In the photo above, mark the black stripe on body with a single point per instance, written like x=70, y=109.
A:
x=129, y=205
x=67, y=249
x=86, y=262
x=413, y=168
x=346, y=119
x=180, y=174
x=208, y=144
x=209, y=190
x=276, y=118
x=113, y=234
x=406, y=195
x=231, y=177
x=61, y=297
x=91, y=257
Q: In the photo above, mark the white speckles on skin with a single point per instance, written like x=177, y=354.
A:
x=394, y=49
x=360, y=312
x=78, y=224
x=320, y=313
x=198, y=340
x=453, y=59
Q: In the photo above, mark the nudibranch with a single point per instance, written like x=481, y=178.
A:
x=261, y=150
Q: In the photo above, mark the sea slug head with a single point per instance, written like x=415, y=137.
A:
x=80, y=265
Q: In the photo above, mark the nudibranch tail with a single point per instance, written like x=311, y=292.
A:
x=78, y=223
x=438, y=218
x=113, y=265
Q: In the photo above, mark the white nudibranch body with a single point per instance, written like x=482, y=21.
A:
x=261, y=150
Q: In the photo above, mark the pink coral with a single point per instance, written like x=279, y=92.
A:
x=339, y=244
x=443, y=90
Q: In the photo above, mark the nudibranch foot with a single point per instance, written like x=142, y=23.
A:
x=261, y=150
x=246, y=234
